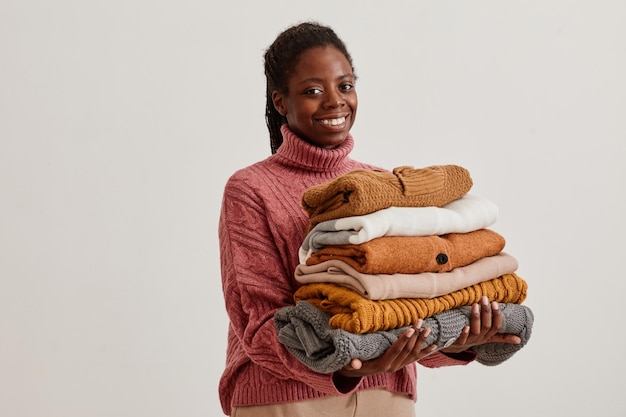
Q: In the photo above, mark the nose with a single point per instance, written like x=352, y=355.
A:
x=334, y=99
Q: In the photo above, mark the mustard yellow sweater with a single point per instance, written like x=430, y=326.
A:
x=354, y=313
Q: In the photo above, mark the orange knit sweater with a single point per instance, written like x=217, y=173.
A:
x=414, y=254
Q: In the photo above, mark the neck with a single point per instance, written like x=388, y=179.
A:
x=296, y=152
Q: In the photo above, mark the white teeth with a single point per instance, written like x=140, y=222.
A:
x=334, y=122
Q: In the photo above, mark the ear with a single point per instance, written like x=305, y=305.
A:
x=279, y=103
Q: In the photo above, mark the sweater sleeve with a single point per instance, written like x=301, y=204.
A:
x=439, y=359
x=256, y=283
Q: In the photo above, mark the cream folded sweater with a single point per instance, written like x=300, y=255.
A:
x=468, y=213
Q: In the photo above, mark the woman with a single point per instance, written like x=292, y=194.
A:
x=311, y=107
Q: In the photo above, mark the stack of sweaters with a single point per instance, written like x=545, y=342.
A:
x=384, y=249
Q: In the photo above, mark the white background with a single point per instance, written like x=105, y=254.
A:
x=121, y=120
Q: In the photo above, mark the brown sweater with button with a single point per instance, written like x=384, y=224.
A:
x=414, y=254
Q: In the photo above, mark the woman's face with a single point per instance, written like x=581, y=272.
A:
x=321, y=104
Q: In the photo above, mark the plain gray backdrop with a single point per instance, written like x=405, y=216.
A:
x=120, y=122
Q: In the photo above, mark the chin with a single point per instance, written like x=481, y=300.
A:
x=332, y=143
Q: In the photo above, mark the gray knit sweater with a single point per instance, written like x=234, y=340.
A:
x=304, y=330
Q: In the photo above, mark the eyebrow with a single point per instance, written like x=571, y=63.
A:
x=319, y=80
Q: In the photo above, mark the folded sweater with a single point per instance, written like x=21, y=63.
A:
x=414, y=254
x=352, y=312
x=304, y=330
x=421, y=285
x=466, y=214
x=365, y=191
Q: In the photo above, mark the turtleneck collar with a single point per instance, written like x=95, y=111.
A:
x=297, y=153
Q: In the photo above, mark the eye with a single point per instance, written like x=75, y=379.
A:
x=313, y=91
x=347, y=86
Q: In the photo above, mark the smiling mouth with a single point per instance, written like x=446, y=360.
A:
x=333, y=122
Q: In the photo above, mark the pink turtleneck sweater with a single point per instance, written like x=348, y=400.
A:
x=261, y=227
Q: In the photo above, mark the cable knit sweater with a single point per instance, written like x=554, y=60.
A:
x=261, y=227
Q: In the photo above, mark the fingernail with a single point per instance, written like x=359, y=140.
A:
x=419, y=324
x=485, y=300
x=495, y=305
x=426, y=332
x=410, y=332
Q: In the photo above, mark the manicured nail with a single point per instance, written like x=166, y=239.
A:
x=495, y=306
x=410, y=332
x=426, y=332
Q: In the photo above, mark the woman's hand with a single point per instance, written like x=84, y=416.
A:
x=485, y=321
x=406, y=350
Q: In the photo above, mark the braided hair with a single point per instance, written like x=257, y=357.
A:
x=280, y=59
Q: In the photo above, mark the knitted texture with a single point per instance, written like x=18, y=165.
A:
x=518, y=321
x=354, y=313
x=305, y=332
x=422, y=285
x=468, y=213
x=366, y=191
x=414, y=254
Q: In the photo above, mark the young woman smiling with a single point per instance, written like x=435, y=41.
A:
x=311, y=107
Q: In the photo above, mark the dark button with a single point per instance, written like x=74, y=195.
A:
x=442, y=258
